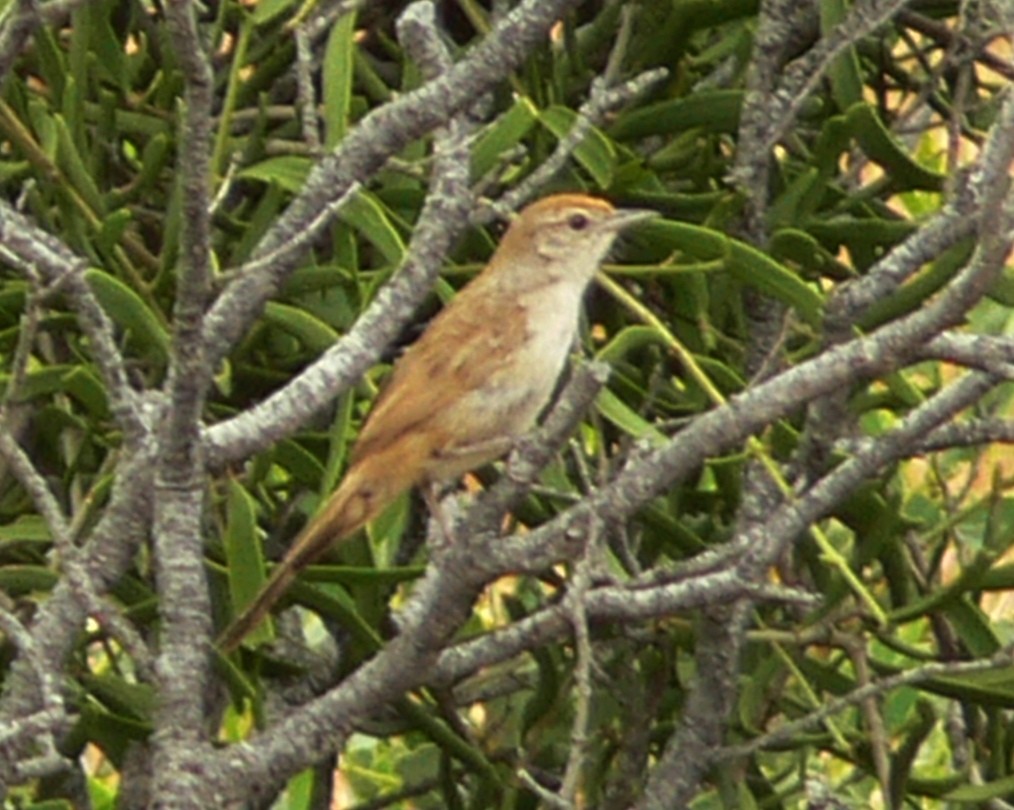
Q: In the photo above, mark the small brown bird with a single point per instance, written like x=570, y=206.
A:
x=473, y=382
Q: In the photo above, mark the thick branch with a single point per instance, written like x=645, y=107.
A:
x=184, y=603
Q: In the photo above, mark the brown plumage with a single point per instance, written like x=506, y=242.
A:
x=472, y=383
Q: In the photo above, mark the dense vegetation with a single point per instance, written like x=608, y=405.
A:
x=761, y=564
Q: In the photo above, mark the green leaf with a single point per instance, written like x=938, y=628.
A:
x=595, y=152
x=270, y=203
x=136, y=700
x=51, y=60
x=860, y=232
x=288, y=171
x=83, y=384
x=915, y=292
x=502, y=136
x=715, y=110
x=843, y=72
x=365, y=213
x=627, y=340
x=882, y=148
x=337, y=78
x=77, y=381
x=990, y=688
x=386, y=530
x=19, y=580
x=616, y=411
x=358, y=575
x=973, y=627
x=745, y=262
x=75, y=167
x=835, y=138
x=108, y=52
x=342, y=435
x=422, y=763
x=800, y=247
x=154, y=159
x=300, y=790
x=799, y=200
x=112, y=228
x=982, y=794
x=312, y=332
x=111, y=732
x=101, y=795
x=126, y=308
x=338, y=606
x=1002, y=290
x=315, y=280
x=26, y=529
x=11, y=170
x=299, y=462
x=266, y=11
x=244, y=556
x=761, y=271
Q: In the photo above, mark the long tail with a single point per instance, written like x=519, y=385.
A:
x=364, y=493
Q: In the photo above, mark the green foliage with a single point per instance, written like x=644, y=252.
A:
x=89, y=150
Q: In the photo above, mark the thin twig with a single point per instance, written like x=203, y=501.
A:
x=37, y=253
x=306, y=100
x=602, y=100
x=578, y=586
x=790, y=730
x=380, y=135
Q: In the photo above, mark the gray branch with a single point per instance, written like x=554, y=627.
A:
x=379, y=136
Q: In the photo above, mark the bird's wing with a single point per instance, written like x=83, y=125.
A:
x=460, y=350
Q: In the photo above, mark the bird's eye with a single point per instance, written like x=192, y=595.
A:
x=577, y=222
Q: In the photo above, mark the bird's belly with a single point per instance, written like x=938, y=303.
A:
x=514, y=396
x=485, y=420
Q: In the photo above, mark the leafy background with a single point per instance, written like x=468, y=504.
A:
x=89, y=150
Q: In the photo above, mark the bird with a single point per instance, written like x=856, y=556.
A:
x=474, y=381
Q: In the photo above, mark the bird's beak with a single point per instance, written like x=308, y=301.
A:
x=625, y=217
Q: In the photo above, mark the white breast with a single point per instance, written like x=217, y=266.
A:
x=553, y=313
x=507, y=404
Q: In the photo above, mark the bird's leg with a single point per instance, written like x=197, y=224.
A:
x=431, y=495
x=460, y=458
